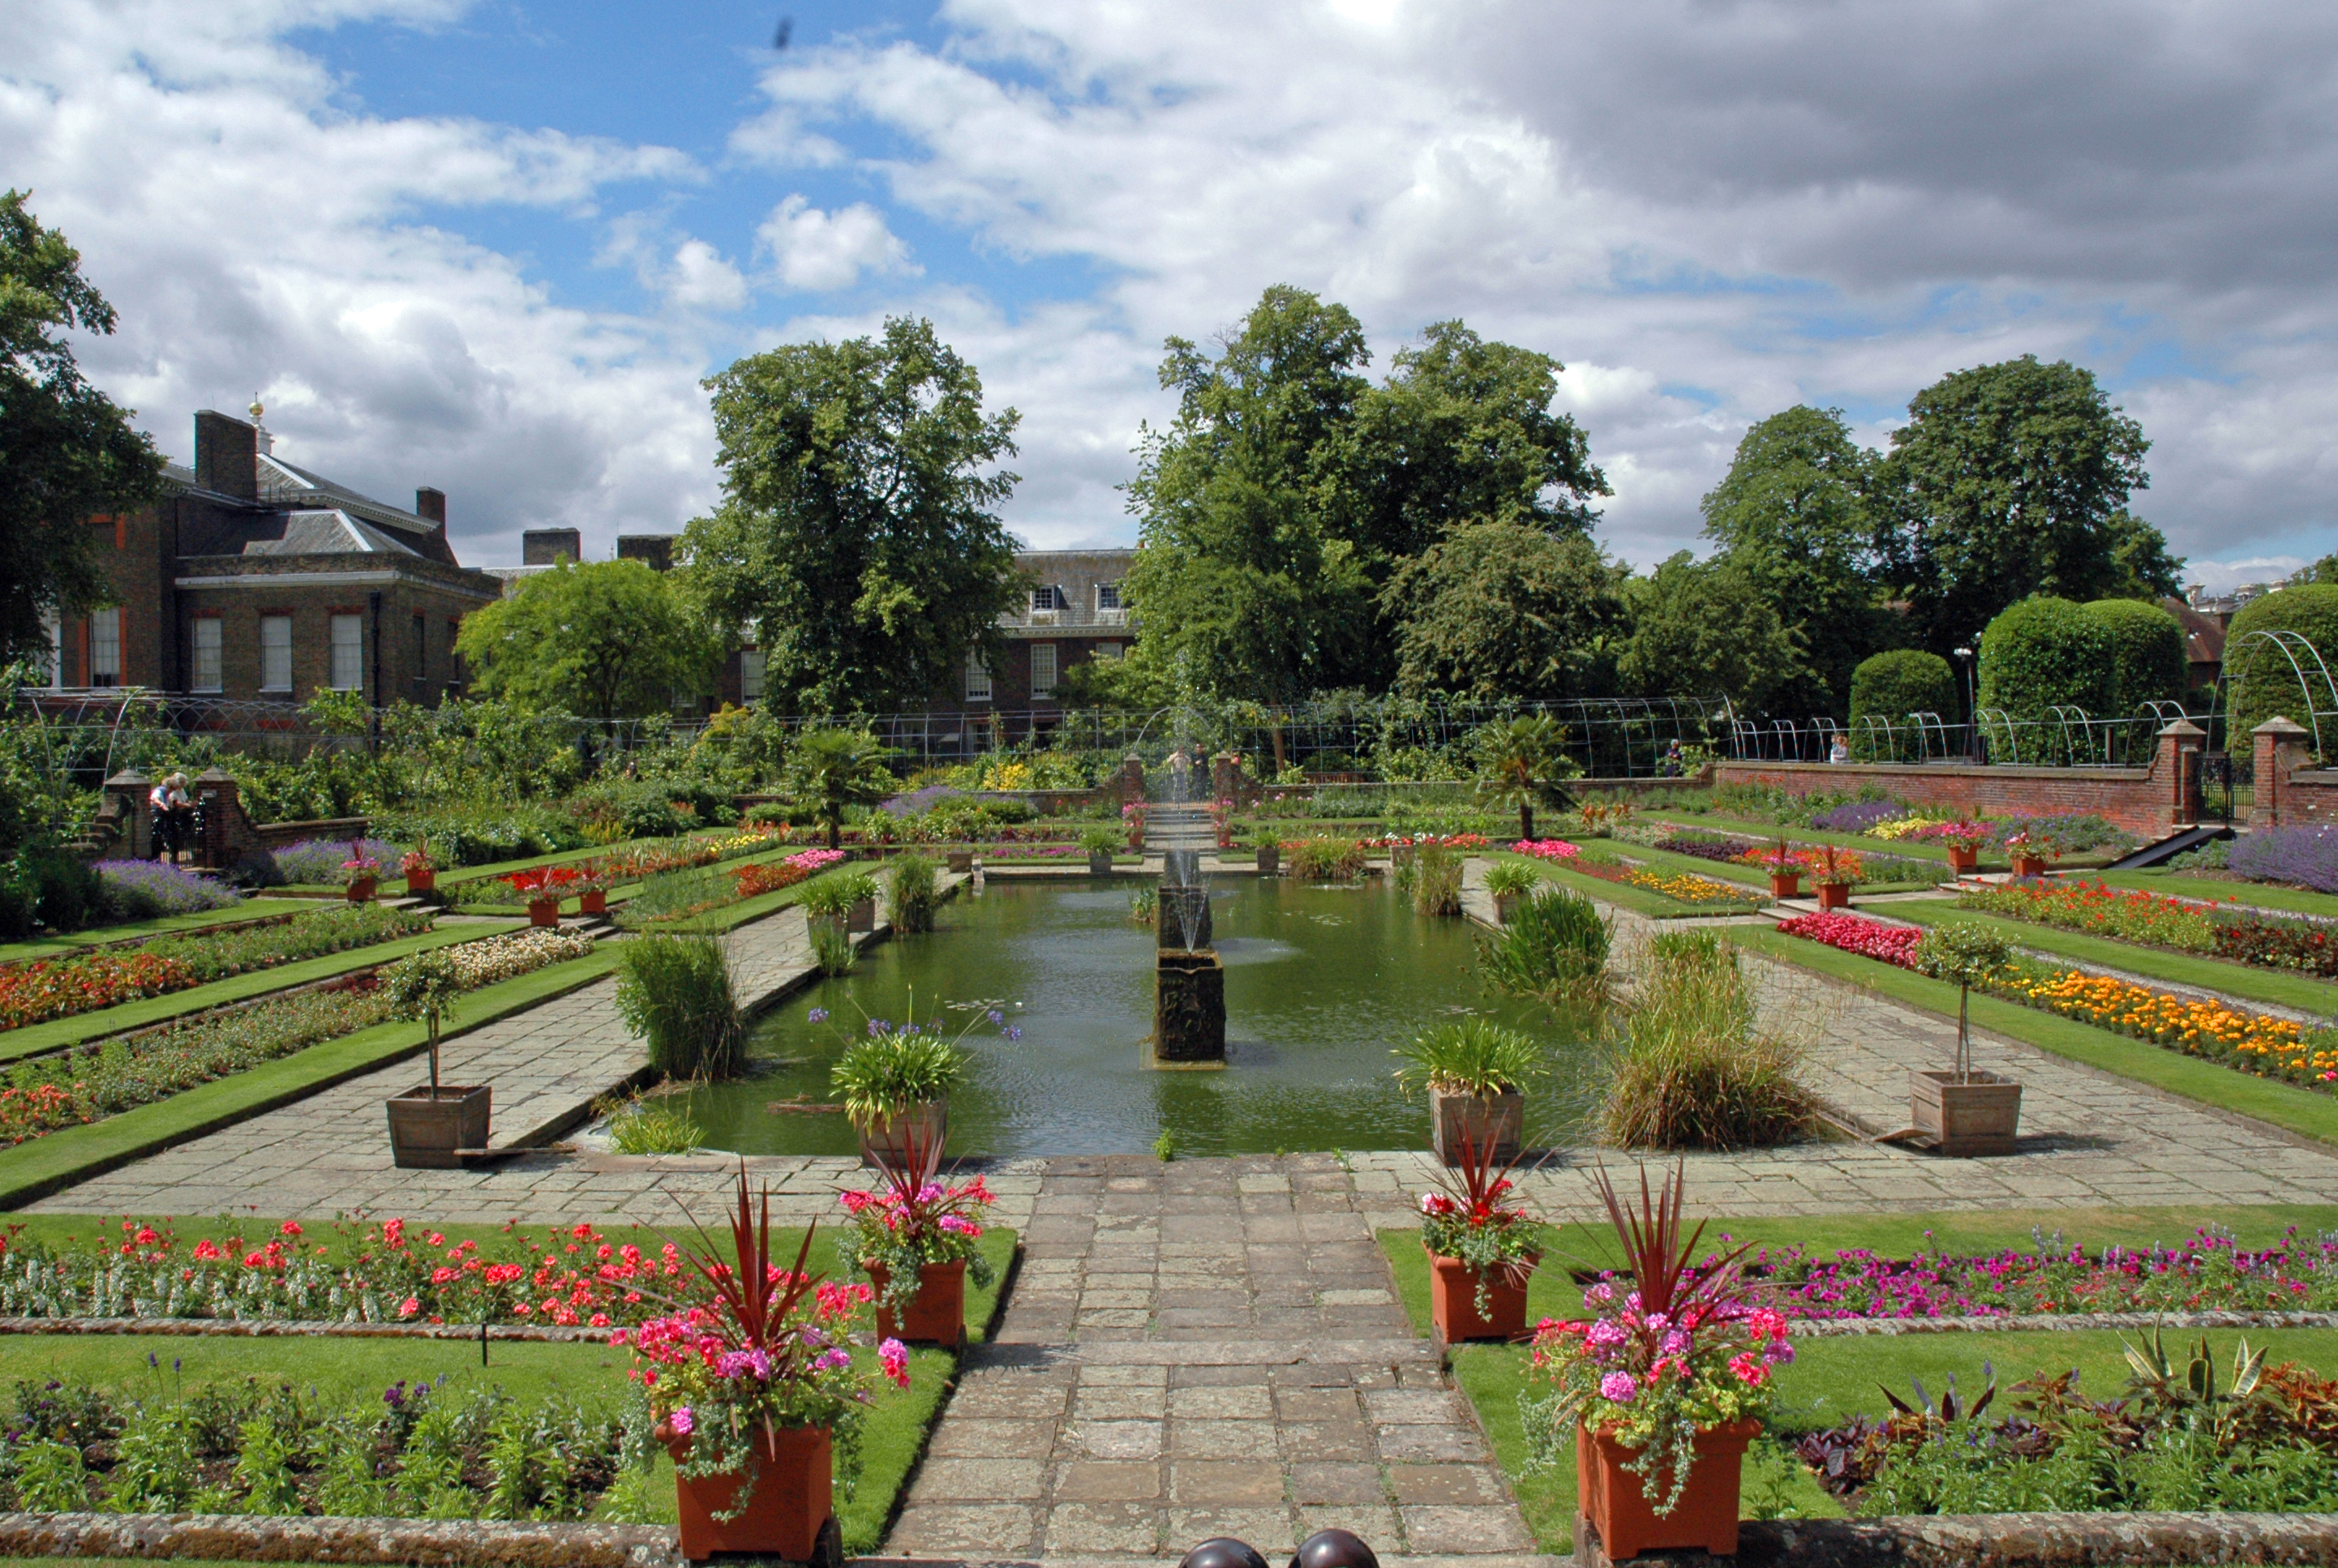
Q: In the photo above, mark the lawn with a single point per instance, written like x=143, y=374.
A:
x=2264, y=894
x=1623, y=894
x=2282, y=988
x=133, y=930
x=1753, y=877
x=1831, y=1379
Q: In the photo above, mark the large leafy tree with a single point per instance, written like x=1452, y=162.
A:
x=2013, y=479
x=607, y=640
x=1792, y=516
x=1505, y=610
x=1244, y=573
x=857, y=534
x=66, y=450
x=1706, y=629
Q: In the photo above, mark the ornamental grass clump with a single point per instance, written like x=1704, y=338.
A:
x=909, y=894
x=674, y=990
x=1436, y=881
x=1689, y=1345
x=913, y=1220
x=1473, y=1056
x=1554, y=948
x=645, y=1126
x=1692, y=1071
x=1321, y=859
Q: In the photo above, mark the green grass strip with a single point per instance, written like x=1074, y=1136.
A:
x=2280, y=987
x=1769, y=831
x=36, y=1169
x=2285, y=1106
x=2264, y=894
x=731, y=917
x=1623, y=894
x=80, y=1026
x=99, y=935
x=1755, y=877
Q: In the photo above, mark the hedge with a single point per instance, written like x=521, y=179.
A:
x=1892, y=685
x=2148, y=659
x=2259, y=683
x=2042, y=652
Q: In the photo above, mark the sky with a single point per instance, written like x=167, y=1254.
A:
x=495, y=246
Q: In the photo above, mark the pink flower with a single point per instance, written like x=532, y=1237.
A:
x=681, y=1421
x=409, y=1306
x=1750, y=1371
x=1619, y=1387
x=895, y=1357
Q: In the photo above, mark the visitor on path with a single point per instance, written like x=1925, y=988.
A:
x=1181, y=773
x=1673, y=764
x=1840, y=750
x=173, y=815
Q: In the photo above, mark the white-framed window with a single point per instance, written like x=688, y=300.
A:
x=276, y=653
x=348, y=671
x=1048, y=598
x=1107, y=595
x=105, y=647
x=978, y=678
x=206, y=676
x=1043, y=669
x=751, y=664
x=421, y=648
x=54, y=630
x=1107, y=651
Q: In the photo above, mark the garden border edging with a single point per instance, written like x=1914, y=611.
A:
x=256, y=1538
x=2017, y=1541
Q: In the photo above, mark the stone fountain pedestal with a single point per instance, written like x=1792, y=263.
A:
x=1189, y=983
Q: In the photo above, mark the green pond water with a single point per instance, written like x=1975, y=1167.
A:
x=1321, y=983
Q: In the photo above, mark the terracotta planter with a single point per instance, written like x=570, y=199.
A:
x=425, y=1133
x=1269, y=859
x=2029, y=866
x=887, y=1141
x=1611, y=1497
x=790, y=1513
x=1977, y=1116
x=594, y=901
x=1099, y=862
x=418, y=882
x=361, y=889
x=544, y=911
x=1453, y=1301
x=1458, y=1120
x=861, y=917
x=1786, y=887
x=1834, y=894
x=937, y=1314
x=1963, y=861
x=1136, y=839
x=959, y=860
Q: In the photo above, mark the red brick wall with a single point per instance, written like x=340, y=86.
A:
x=2140, y=799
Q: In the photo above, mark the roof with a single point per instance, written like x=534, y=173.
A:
x=283, y=484
x=329, y=532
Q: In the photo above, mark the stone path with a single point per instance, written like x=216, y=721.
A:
x=1207, y=1347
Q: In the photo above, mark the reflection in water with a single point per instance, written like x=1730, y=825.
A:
x=1320, y=985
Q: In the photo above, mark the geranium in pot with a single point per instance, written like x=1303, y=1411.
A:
x=1511, y=883
x=1132, y=817
x=420, y=871
x=916, y=1238
x=754, y=1393
x=1963, y=840
x=2032, y=847
x=1483, y=1245
x=360, y=874
x=1661, y=1390
x=1101, y=844
x=432, y=1126
x=541, y=888
x=1967, y=1112
x=1834, y=872
x=1476, y=1074
x=591, y=883
x=1785, y=865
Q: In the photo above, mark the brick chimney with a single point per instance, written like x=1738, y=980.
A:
x=655, y=550
x=430, y=505
x=547, y=546
x=227, y=454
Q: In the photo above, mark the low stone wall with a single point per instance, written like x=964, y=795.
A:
x=248, y=1538
x=2014, y=1541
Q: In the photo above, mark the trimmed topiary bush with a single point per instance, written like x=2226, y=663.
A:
x=1892, y=685
x=2147, y=660
x=2038, y=654
x=2258, y=681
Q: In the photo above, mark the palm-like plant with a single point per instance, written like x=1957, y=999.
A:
x=838, y=769
x=1518, y=764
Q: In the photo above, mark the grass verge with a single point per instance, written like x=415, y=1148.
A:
x=1751, y=876
x=2264, y=896
x=128, y=931
x=1623, y=894
x=2284, y=1105
x=80, y=1026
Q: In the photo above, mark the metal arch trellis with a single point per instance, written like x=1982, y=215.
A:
x=2289, y=644
x=2061, y=715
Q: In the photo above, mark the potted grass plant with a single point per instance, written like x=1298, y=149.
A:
x=1966, y=1112
x=360, y=874
x=916, y=1237
x=1476, y=1073
x=828, y=901
x=751, y=1384
x=1834, y=872
x=1100, y=844
x=1511, y=883
x=1483, y=1244
x=431, y=1127
x=1661, y=1389
x=1269, y=853
x=420, y=871
x=894, y=1082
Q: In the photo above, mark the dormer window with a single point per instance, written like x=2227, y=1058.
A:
x=1107, y=595
x=1047, y=598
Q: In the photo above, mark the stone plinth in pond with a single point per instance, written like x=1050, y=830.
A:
x=1189, y=1010
x=1182, y=922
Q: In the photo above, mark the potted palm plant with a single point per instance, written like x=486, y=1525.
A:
x=750, y=1383
x=431, y=1126
x=1100, y=844
x=1661, y=1390
x=917, y=1239
x=1511, y=883
x=1476, y=1073
x=1967, y=1112
x=1483, y=1245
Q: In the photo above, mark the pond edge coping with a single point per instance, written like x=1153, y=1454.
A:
x=2012, y=1541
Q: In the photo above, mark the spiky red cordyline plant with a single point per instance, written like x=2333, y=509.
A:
x=1658, y=1254
x=746, y=1316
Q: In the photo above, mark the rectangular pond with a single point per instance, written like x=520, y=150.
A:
x=1321, y=984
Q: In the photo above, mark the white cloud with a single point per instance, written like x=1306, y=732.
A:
x=823, y=251
x=2223, y=576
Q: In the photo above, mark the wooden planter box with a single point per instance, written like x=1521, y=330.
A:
x=887, y=1141
x=1978, y=1116
x=1453, y=1302
x=1611, y=1497
x=2029, y=866
x=594, y=902
x=861, y=917
x=790, y=1514
x=544, y=911
x=937, y=1314
x=426, y=1134
x=1456, y=1120
x=1269, y=859
x=1834, y=894
x=361, y=889
x=422, y=882
x=1099, y=862
x=1963, y=861
x=1786, y=887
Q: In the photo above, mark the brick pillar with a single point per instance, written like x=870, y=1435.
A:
x=2280, y=747
x=129, y=789
x=2176, y=764
x=1131, y=779
x=217, y=793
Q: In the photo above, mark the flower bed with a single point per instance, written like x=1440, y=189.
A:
x=1556, y=850
x=2300, y=856
x=753, y=881
x=144, y=889
x=1861, y=816
x=1463, y=841
x=89, y=1082
x=1856, y=933
x=49, y=988
x=1688, y=887
x=2099, y=910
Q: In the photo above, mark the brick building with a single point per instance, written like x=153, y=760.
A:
x=252, y=579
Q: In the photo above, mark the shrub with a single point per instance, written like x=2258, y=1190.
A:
x=1437, y=881
x=878, y=1078
x=2259, y=682
x=313, y=862
x=2304, y=857
x=676, y=992
x=51, y=888
x=910, y=892
x=145, y=889
x=1692, y=1072
x=1888, y=686
x=1323, y=859
x=1473, y=1056
x=608, y=810
x=2040, y=652
x=2148, y=659
x=482, y=836
x=1554, y=948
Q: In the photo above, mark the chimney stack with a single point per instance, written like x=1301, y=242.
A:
x=430, y=505
x=655, y=550
x=227, y=454
x=549, y=546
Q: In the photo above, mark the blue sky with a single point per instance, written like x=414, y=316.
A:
x=494, y=247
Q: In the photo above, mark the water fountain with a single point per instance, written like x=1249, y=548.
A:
x=1189, y=982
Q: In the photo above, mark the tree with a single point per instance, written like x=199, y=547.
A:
x=1243, y=567
x=1519, y=764
x=66, y=451
x=1890, y=687
x=1706, y=629
x=2148, y=662
x=835, y=770
x=606, y=639
x=857, y=534
x=1504, y=610
x=2012, y=479
x=1793, y=514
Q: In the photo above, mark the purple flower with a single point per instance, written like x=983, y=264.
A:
x=1014, y=1031
x=1607, y=1331
x=879, y=1028
x=1676, y=1343
x=996, y=1016
x=1619, y=1387
x=145, y=888
x=816, y=1016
